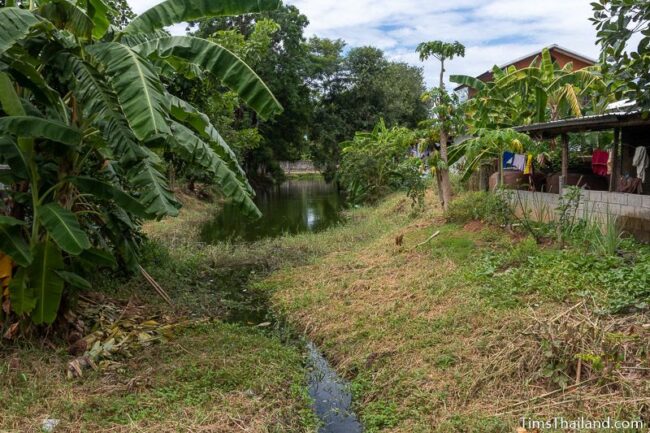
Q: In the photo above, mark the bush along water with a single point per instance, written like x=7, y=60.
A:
x=377, y=163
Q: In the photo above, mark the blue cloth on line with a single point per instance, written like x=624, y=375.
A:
x=508, y=159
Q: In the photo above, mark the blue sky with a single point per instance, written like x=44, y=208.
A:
x=494, y=31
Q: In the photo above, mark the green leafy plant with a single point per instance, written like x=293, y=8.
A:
x=86, y=118
x=370, y=163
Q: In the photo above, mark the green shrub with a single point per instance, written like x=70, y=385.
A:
x=373, y=163
x=481, y=206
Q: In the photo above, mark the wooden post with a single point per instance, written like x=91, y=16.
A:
x=565, y=160
x=613, y=177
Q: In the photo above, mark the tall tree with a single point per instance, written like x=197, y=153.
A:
x=617, y=21
x=442, y=51
x=354, y=92
x=284, y=67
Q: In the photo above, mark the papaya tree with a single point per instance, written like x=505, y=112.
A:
x=442, y=51
x=86, y=116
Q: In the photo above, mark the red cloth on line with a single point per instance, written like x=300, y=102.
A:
x=599, y=161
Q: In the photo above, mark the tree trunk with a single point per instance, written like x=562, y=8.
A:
x=445, y=184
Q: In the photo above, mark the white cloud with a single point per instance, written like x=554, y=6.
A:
x=494, y=31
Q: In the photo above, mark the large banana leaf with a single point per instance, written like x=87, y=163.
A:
x=16, y=24
x=63, y=227
x=12, y=242
x=25, y=71
x=36, y=127
x=14, y=156
x=197, y=152
x=21, y=293
x=98, y=11
x=67, y=15
x=139, y=91
x=155, y=193
x=176, y=11
x=100, y=104
x=223, y=64
x=186, y=113
x=107, y=191
x=466, y=80
x=45, y=281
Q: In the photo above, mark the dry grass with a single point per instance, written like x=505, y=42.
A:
x=427, y=352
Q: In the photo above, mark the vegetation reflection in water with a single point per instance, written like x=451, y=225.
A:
x=298, y=205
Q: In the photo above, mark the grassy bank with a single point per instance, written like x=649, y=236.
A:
x=464, y=332
x=215, y=370
x=474, y=329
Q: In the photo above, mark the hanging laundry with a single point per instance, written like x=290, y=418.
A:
x=508, y=159
x=529, y=165
x=599, y=161
x=610, y=162
x=519, y=162
x=641, y=162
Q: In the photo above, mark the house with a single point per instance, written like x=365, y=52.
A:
x=560, y=55
x=624, y=197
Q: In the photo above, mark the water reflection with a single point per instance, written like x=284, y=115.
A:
x=293, y=207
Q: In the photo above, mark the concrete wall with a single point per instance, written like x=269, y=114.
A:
x=632, y=211
x=298, y=167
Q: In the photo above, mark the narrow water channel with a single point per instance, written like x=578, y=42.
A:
x=305, y=205
x=331, y=395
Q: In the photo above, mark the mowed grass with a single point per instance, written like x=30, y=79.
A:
x=430, y=339
x=211, y=377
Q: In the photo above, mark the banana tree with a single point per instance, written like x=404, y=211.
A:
x=541, y=92
x=86, y=115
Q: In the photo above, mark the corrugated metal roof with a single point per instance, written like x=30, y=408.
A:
x=599, y=122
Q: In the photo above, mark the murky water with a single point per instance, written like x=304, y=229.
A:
x=303, y=205
x=331, y=395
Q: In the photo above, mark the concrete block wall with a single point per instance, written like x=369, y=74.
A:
x=632, y=211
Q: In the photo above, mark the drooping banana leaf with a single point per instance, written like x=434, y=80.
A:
x=46, y=283
x=63, y=227
x=74, y=280
x=156, y=196
x=197, y=152
x=466, y=80
x=16, y=24
x=21, y=293
x=66, y=15
x=14, y=156
x=177, y=11
x=98, y=10
x=221, y=63
x=107, y=191
x=12, y=242
x=185, y=112
x=138, y=88
x=24, y=70
x=100, y=103
x=36, y=127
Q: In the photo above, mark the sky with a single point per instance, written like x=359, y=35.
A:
x=494, y=31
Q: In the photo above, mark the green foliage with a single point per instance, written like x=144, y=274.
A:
x=489, y=144
x=617, y=21
x=480, y=206
x=353, y=91
x=87, y=116
x=370, y=164
x=540, y=92
x=440, y=50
